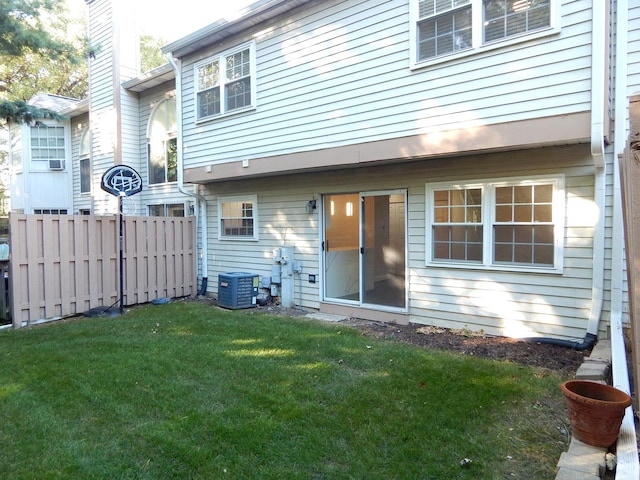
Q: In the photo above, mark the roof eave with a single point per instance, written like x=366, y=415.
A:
x=76, y=110
x=150, y=79
x=250, y=16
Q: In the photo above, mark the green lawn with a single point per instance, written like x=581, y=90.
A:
x=189, y=391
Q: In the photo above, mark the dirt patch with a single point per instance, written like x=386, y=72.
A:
x=563, y=360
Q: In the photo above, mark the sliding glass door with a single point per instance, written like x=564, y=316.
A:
x=364, y=248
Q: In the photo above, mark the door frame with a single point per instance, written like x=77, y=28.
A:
x=361, y=258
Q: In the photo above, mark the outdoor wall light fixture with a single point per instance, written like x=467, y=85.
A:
x=311, y=206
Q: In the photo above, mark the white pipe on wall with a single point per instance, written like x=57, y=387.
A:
x=598, y=96
x=200, y=200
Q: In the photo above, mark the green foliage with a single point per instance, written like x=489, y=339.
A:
x=21, y=112
x=151, y=52
x=37, y=55
x=185, y=390
x=23, y=28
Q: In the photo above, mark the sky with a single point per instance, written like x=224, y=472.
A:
x=173, y=19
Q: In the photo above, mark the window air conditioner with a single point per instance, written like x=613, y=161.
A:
x=56, y=165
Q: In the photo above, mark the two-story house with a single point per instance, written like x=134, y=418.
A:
x=449, y=163
x=446, y=163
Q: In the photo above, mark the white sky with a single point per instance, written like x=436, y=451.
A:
x=173, y=19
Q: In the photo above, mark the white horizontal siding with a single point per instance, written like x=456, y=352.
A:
x=497, y=302
x=633, y=67
x=339, y=74
x=101, y=67
x=130, y=127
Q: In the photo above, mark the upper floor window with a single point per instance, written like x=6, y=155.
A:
x=238, y=218
x=512, y=224
x=48, y=145
x=225, y=83
x=506, y=18
x=163, y=145
x=85, y=162
x=447, y=26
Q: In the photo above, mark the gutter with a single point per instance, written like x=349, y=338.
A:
x=598, y=96
x=598, y=91
x=200, y=200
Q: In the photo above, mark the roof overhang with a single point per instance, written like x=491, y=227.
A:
x=254, y=14
x=78, y=109
x=150, y=79
x=65, y=106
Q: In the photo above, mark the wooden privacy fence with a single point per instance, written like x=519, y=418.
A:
x=62, y=265
x=630, y=185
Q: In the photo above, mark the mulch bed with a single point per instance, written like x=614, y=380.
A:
x=561, y=359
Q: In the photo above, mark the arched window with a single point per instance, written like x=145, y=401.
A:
x=163, y=146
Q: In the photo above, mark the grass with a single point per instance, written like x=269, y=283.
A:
x=188, y=391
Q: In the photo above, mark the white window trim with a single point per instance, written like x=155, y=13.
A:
x=166, y=137
x=44, y=165
x=239, y=198
x=478, y=46
x=252, y=61
x=165, y=208
x=488, y=215
x=85, y=156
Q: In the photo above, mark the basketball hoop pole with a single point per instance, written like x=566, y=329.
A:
x=121, y=181
x=121, y=257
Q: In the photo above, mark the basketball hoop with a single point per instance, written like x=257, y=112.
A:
x=122, y=181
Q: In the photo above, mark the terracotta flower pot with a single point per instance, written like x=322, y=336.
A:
x=595, y=411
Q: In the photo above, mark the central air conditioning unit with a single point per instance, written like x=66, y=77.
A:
x=238, y=289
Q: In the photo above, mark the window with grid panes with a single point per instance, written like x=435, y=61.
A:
x=238, y=218
x=448, y=26
x=48, y=145
x=224, y=83
x=511, y=224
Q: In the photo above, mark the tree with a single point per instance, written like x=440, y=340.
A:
x=35, y=55
x=151, y=52
x=23, y=29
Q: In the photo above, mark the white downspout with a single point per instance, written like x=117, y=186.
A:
x=626, y=449
x=598, y=52
x=200, y=200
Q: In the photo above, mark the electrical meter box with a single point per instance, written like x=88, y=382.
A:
x=238, y=289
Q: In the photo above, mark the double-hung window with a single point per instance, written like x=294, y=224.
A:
x=238, y=218
x=444, y=27
x=225, y=83
x=510, y=224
